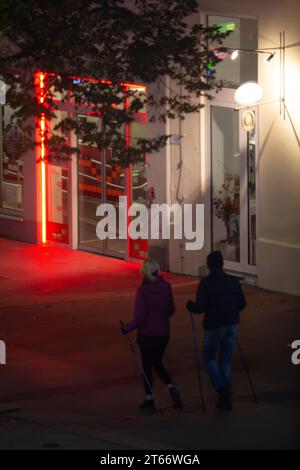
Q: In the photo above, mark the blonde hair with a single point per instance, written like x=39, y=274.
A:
x=150, y=269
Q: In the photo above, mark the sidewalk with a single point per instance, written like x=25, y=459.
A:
x=77, y=384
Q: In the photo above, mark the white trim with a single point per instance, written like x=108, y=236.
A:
x=73, y=199
x=244, y=211
x=4, y=215
x=206, y=174
x=229, y=15
x=168, y=154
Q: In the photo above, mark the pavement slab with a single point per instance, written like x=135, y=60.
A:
x=71, y=381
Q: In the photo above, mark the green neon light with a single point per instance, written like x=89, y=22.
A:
x=228, y=26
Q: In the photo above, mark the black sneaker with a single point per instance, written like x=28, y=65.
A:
x=224, y=399
x=175, y=397
x=147, y=405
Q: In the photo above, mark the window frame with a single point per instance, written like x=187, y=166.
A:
x=17, y=214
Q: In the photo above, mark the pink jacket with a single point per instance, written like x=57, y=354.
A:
x=154, y=305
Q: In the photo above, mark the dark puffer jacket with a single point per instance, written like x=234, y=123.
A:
x=220, y=298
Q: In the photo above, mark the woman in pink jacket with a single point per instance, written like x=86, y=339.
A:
x=154, y=305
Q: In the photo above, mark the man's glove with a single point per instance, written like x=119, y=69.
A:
x=123, y=329
x=190, y=305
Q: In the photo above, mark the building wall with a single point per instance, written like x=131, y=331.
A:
x=158, y=177
x=185, y=178
x=22, y=225
x=279, y=165
x=278, y=243
x=175, y=174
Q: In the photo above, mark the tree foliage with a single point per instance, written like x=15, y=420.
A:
x=116, y=41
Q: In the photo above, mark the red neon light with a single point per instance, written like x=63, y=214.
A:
x=128, y=175
x=105, y=82
x=108, y=82
x=41, y=153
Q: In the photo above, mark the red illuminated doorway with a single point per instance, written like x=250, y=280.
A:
x=58, y=199
x=64, y=189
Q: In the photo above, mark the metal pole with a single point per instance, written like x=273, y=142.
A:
x=140, y=365
x=197, y=358
x=247, y=372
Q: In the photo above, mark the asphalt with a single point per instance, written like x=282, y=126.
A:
x=72, y=382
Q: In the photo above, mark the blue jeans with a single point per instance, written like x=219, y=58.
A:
x=224, y=340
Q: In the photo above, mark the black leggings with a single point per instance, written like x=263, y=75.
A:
x=152, y=350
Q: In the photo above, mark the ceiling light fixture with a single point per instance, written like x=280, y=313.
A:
x=248, y=94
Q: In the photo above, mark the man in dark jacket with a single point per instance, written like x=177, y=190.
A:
x=220, y=298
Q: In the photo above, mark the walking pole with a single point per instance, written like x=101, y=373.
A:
x=197, y=358
x=247, y=371
x=140, y=365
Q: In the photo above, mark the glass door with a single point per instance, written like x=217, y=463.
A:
x=114, y=188
x=58, y=189
x=233, y=187
x=100, y=181
x=90, y=192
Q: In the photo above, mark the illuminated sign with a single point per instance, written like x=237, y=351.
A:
x=228, y=26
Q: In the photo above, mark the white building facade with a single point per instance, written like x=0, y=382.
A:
x=242, y=164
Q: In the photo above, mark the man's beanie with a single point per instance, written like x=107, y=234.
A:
x=215, y=260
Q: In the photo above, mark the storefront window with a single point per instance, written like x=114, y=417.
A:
x=57, y=194
x=115, y=187
x=244, y=35
x=90, y=189
x=11, y=157
x=138, y=248
x=226, y=180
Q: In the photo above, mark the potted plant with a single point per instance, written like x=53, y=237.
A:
x=227, y=203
